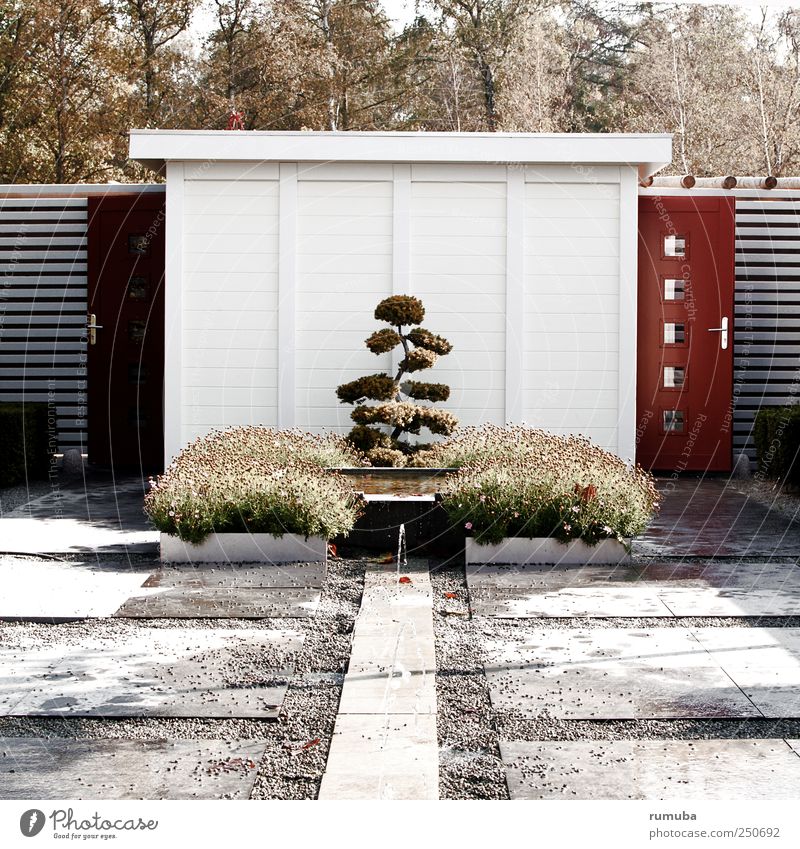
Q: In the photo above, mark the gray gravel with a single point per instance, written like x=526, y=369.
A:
x=12, y=497
x=297, y=744
x=469, y=752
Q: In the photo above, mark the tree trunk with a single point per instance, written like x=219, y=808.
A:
x=488, y=94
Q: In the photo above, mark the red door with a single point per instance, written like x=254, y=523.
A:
x=685, y=333
x=126, y=351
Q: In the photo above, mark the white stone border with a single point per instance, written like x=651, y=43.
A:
x=546, y=550
x=245, y=548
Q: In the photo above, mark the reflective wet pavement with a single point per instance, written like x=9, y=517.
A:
x=103, y=516
x=712, y=517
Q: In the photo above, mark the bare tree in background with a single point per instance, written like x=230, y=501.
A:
x=686, y=80
x=152, y=27
x=484, y=30
x=71, y=94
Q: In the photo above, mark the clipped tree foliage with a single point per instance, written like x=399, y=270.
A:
x=397, y=409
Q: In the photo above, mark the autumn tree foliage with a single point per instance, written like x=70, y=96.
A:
x=77, y=75
x=398, y=406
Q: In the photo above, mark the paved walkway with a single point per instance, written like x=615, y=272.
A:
x=695, y=630
x=104, y=516
x=384, y=744
x=712, y=518
x=715, y=563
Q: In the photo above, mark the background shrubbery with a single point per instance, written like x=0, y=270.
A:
x=517, y=481
x=256, y=480
x=24, y=443
x=776, y=434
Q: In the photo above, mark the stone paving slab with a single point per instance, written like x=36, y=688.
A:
x=35, y=768
x=611, y=674
x=103, y=587
x=65, y=536
x=764, y=663
x=382, y=757
x=710, y=518
x=385, y=742
x=36, y=589
x=105, y=515
x=652, y=589
x=652, y=769
x=240, y=576
x=186, y=672
x=230, y=602
x=710, y=601
x=517, y=603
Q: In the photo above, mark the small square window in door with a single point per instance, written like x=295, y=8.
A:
x=674, y=377
x=674, y=333
x=136, y=331
x=674, y=289
x=137, y=418
x=674, y=246
x=673, y=421
x=138, y=244
x=137, y=373
x=138, y=289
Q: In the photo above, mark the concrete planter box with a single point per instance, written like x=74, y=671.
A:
x=546, y=550
x=245, y=548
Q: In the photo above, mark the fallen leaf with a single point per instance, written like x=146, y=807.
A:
x=405, y=580
x=299, y=747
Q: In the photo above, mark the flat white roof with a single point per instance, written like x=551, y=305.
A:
x=648, y=152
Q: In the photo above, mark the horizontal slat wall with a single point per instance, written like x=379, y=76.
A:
x=767, y=311
x=43, y=309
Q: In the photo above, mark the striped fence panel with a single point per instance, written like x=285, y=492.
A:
x=43, y=308
x=767, y=311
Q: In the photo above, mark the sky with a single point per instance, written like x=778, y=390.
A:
x=401, y=12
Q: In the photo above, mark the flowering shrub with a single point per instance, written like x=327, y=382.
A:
x=398, y=409
x=257, y=480
x=521, y=482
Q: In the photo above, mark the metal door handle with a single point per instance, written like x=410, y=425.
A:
x=92, y=326
x=723, y=341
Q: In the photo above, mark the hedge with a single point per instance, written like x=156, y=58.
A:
x=776, y=434
x=24, y=443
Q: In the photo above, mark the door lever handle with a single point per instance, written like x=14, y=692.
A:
x=723, y=331
x=92, y=326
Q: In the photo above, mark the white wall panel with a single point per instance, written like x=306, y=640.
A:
x=571, y=306
x=230, y=299
x=351, y=235
x=458, y=270
x=344, y=268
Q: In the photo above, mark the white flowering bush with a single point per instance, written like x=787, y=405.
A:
x=521, y=482
x=257, y=480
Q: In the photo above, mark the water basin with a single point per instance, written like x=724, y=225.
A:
x=396, y=483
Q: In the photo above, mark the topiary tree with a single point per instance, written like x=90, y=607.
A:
x=397, y=407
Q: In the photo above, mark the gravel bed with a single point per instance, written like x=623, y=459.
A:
x=296, y=745
x=777, y=496
x=543, y=728
x=469, y=754
x=12, y=497
x=495, y=626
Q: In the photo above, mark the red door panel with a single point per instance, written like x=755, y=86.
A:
x=685, y=333
x=126, y=362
